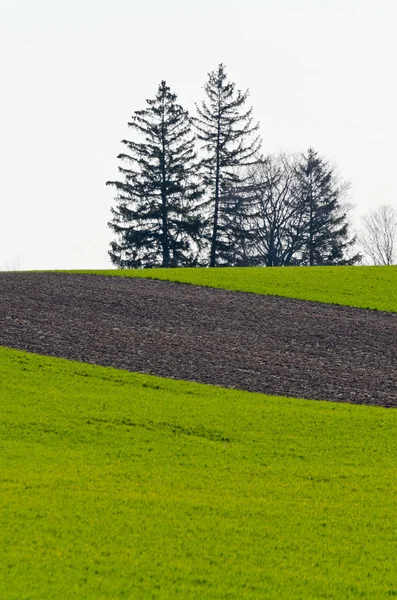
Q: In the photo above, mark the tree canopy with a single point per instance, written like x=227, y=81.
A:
x=229, y=142
x=156, y=221
x=196, y=191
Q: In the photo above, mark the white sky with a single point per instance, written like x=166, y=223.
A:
x=320, y=73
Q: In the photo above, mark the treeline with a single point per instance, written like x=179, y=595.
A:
x=196, y=191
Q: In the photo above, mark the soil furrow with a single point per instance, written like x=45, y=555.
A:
x=257, y=343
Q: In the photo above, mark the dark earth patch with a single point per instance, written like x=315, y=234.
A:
x=232, y=339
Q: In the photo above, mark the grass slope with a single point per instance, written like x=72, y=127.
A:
x=363, y=287
x=119, y=485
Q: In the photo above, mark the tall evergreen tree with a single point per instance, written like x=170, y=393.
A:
x=229, y=142
x=156, y=220
x=326, y=234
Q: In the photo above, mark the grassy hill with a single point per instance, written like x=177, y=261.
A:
x=119, y=485
x=363, y=287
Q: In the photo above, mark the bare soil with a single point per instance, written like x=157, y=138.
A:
x=232, y=339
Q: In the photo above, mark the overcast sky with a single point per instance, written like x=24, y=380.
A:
x=320, y=73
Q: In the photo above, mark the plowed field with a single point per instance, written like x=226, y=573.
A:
x=232, y=339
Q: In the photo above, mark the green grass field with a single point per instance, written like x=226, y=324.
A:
x=117, y=485
x=363, y=287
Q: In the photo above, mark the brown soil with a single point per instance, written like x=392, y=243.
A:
x=258, y=343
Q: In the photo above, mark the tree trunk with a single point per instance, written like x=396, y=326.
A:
x=311, y=227
x=216, y=206
x=164, y=212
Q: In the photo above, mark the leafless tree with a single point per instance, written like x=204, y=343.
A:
x=378, y=237
x=263, y=215
x=277, y=217
x=15, y=264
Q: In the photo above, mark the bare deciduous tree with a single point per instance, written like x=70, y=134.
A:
x=277, y=218
x=378, y=237
x=15, y=264
x=263, y=216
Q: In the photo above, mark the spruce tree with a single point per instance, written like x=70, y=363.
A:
x=326, y=235
x=228, y=138
x=156, y=219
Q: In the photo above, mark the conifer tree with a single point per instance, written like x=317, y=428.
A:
x=156, y=220
x=326, y=234
x=229, y=142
